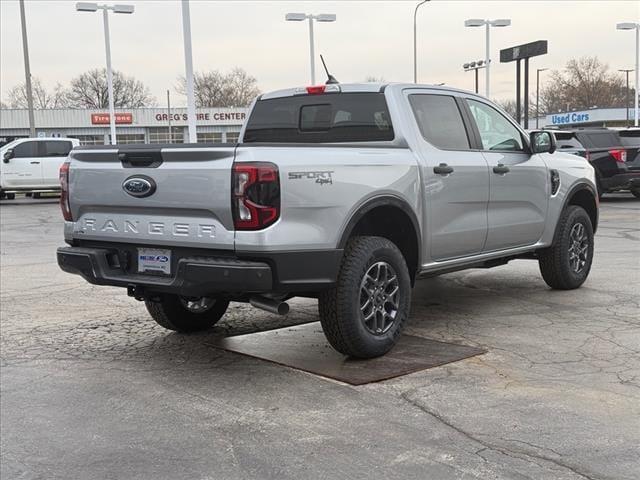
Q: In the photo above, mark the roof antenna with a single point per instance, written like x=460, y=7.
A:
x=330, y=78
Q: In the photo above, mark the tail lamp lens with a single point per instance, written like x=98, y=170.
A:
x=64, y=192
x=620, y=155
x=256, y=195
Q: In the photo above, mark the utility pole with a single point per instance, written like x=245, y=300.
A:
x=626, y=72
x=188, y=63
x=27, y=71
x=169, y=115
x=107, y=49
x=415, y=42
x=538, y=70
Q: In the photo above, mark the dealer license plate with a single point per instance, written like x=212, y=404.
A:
x=154, y=260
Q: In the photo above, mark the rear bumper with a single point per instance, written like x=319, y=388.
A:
x=622, y=181
x=201, y=273
x=195, y=276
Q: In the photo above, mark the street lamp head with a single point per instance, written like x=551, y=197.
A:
x=295, y=17
x=325, y=17
x=480, y=63
x=472, y=65
x=123, y=8
x=466, y=66
x=86, y=7
x=501, y=22
x=474, y=22
x=627, y=26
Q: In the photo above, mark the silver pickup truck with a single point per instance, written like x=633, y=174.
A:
x=347, y=193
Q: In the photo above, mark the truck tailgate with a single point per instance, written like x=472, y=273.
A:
x=189, y=203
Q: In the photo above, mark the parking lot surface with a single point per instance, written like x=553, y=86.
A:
x=91, y=387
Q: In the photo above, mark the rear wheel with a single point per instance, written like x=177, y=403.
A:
x=567, y=263
x=186, y=314
x=364, y=314
x=10, y=196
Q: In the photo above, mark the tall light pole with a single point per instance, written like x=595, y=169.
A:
x=94, y=7
x=475, y=22
x=474, y=66
x=188, y=66
x=415, y=42
x=626, y=101
x=27, y=71
x=636, y=27
x=538, y=70
x=300, y=17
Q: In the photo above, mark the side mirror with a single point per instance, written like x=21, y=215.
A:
x=8, y=155
x=543, y=141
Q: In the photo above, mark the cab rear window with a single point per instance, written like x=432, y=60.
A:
x=328, y=118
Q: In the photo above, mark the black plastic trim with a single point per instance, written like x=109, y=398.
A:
x=300, y=270
x=194, y=276
x=381, y=201
x=580, y=186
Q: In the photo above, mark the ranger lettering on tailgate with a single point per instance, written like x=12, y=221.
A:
x=136, y=227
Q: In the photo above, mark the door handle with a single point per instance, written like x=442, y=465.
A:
x=35, y=163
x=500, y=169
x=443, y=169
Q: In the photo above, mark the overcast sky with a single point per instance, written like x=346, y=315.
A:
x=369, y=38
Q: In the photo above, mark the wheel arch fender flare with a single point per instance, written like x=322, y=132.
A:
x=575, y=189
x=381, y=201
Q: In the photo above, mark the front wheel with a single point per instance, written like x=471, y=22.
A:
x=566, y=264
x=186, y=314
x=364, y=314
x=636, y=192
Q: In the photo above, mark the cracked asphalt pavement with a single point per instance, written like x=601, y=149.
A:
x=91, y=388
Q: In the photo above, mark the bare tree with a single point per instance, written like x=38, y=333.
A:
x=42, y=98
x=214, y=89
x=509, y=106
x=89, y=90
x=586, y=82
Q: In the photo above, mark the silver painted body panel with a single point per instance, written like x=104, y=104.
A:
x=191, y=207
x=469, y=215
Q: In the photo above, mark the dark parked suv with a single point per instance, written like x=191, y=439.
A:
x=614, y=154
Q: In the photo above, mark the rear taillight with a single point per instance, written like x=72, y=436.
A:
x=64, y=192
x=256, y=195
x=619, y=154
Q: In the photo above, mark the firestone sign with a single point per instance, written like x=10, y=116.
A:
x=103, y=118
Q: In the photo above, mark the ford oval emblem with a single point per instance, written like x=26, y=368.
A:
x=139, y=186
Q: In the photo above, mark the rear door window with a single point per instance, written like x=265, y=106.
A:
x=440, y=121
x=26, y=149
x=328, y=118
x=602, y=139
x=56, y=148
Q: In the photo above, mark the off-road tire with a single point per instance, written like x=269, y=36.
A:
x=340, y=309
x=554, y=261
x=169, y=312
x=636, y=192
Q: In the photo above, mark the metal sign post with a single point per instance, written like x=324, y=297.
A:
x=517, y=54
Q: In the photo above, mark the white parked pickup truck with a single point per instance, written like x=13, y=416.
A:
x=347, y=193
x=31, y=165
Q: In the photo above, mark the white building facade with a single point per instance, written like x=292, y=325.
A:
x=135, y=125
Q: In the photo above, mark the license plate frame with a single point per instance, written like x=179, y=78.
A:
x=154, y=261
